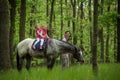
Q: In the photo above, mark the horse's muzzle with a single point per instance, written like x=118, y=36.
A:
x=82, y=61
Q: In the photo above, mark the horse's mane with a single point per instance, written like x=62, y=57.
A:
x=67, y=46
x=68, y=43
x=64, y=42
x=78, y=48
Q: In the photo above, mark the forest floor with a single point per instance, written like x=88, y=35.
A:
x=76, y=72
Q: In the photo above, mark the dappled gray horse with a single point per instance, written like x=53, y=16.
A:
x=53, y=50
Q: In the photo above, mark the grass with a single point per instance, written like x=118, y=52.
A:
x=78, y=72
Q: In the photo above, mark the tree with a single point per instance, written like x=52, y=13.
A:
x=73, y=2
x=90, y=20
x=81, y=14
x=67, y=12
x=118, y=33
x=47, y=9
x=51, y=17
x=4, y=35
x=107, y=39
x=115, y=36
x=32, y=20
x=61, y=12
x=94, y=45
x=22, y=20
x=81, y=24
x=12, y=28
x=101, y=34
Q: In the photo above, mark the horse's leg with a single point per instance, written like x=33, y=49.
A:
x=65, y=60
x=28, y=61
x=50, y=62
x=19, y=62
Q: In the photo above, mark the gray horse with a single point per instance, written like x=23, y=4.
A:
x=53, y=50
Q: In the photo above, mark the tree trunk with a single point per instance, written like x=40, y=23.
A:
x=115, y=45
x=47, y=10
x=68, y=22
x=115, y=39
x=101, y=45
x=54, y=20
x=101, y=35
x=107, y=40
x=51, y=17
x=12, y=28
x=4, y=35
x=95, y=30
x=31, y=25
x=118, y=33
x=32, y=20
x=90, y=21
x=61, y=12
x=67, y=12
x=81, y=24
x=73, y=2
x=22, y=20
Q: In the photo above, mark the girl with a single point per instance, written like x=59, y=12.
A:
x=43, y=35
x=37, y=31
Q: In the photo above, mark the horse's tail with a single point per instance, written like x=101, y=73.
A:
x=17, y=58
x=18, y=61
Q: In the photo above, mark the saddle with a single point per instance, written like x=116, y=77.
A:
x=37, y=46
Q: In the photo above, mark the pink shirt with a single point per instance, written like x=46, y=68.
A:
x=41, y=34
x=37, y=33
x=44, y=34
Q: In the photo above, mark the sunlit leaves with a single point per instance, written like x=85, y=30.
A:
x=108, y=17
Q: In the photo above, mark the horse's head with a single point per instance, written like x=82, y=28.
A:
x=78, y=55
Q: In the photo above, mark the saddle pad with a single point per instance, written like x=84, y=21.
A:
x=37, y=46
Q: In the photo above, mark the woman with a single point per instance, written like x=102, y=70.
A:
x=65, y=57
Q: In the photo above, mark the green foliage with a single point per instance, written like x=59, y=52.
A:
x=39, y=16
x=108, y=18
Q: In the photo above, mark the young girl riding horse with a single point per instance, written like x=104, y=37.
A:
x=41, y=34
x=37, y=31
